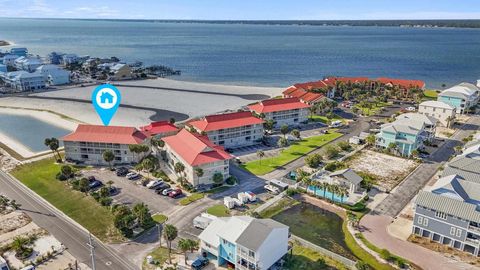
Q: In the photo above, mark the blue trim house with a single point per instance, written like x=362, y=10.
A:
x=243, y=242
x=408, y=132
x=462, y=96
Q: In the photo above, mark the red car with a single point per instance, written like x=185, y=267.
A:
x=175, y=193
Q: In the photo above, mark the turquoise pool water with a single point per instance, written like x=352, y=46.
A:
x=328, y=194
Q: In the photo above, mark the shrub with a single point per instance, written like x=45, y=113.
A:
x=385, y=254
x=360, y=265
x=291, y=192
x=334, y=166
x=345, y=146
x=401, y=263
x=105, y=201
x=61, y=177
x=232, y=180
x=331, y=151
x=313, y=160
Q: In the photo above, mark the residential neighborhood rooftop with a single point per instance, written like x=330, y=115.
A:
x=196, y=149
x=224, y=121
x=106, y=134
x=159, y=127
x=279, y=104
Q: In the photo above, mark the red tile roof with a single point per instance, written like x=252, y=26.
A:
x=195, y=149
x=106, y=134
x=159, y=127
x=223, y=121
x=276, y=105
x=402, y=83
x=332, y=80
x=302, y=94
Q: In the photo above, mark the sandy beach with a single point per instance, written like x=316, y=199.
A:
x=142, y=102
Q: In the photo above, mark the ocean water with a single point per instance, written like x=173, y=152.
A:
x=273, y=55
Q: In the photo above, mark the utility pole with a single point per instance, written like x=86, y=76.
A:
x=160, y=228
x=92, y=250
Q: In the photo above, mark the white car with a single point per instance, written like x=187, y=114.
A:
x=133, y=175
x=336, y=123
x=411, y=109
x=154, y=183
x=271, y=188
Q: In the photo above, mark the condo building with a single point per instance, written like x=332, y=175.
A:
x=230, y=130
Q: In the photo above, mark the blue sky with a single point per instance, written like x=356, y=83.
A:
x=243, y=9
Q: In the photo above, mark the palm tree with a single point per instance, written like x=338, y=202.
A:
x=184, y=246
x=53, y=144
x=295, y=133
x=370, y=140
x=199, y=172
x=312, y=110
x=19, y=244
x=324, y=186
x=193, y=245
x=148, y=165
x=108, y=156
x=260, y=155
x=284, y=130
x=342, y=192
x=307, y=181
x=170, y=232
x=332, y=189
x=179, y=169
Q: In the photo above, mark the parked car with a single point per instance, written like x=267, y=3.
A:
x=161, y=187
x=166, y=191
x=113, y=191
x=199, y=263
x=175, y=193
x=272, y=189
x=154, y=183
x=133, y=175
x=94, y=184
x=336, y=123
x=121, y=171
x=410, y=109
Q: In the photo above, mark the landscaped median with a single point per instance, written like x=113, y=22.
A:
x=294, y=151
x=192, y=198
x=39, y=176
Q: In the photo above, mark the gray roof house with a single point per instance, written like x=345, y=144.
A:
x=449, y=211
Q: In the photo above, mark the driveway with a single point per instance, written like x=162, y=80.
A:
x=131, y=193
x=374, y=228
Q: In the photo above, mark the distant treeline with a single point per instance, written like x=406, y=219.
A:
x=396, y=23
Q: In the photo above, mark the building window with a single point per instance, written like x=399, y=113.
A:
x=420, y=220
x=441, y=215
x=452, y=231
x=251, y=254
x=425, y=222
x=459, y=233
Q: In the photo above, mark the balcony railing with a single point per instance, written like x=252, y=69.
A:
x=473, y=228
x=472, y=241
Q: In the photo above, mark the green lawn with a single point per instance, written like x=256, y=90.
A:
x=278, y=207
x=431, y=94
x=192, y=198
x=376, y=107
x=159, y=218
x=324, y=119
x=39, y=176
x=294, y=151
x=219, y=210
x=217, y=190
x=308, y=259
x=160, y=256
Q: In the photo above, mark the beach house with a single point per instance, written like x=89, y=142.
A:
x=54, y=75
x=244, y=242
x=9, y=60
x=230, y=130
x=19, y=51
x=196, y=153
x=462, y=96
x=29, y=64
x=443, y=112
x=448, y=213
x=405, y=86
x=87, y=144
x=20, y=81
x=160, y=129
x=309, y=92
x=407, y=133
x=283, y=111
x=69, y=58
x=121, y=72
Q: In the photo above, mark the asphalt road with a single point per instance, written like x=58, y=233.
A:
x=393, y=204
x=73, y=236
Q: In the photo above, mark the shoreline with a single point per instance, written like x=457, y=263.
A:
x=6, y=43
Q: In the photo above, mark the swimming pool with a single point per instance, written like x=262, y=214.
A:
x=319, y=192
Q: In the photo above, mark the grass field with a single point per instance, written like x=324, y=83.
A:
x=308, y=259
x=160, y=256
x=324, y=119
x=376, y=107
x=219, y=210
x=431, y=94
x=40, y=177
x=294, y=151
x=278, y=207
x=192, y=198
x=159, y=218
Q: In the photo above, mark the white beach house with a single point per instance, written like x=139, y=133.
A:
x=243, y=242
x=54, y=75
x=443, y=112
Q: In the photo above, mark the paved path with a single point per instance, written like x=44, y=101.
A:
x=63, y=228
x=405, y=191
x=374, y=228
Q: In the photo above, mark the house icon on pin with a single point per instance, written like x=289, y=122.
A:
x=106, y=97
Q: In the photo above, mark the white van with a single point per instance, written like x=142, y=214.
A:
x=336, y=123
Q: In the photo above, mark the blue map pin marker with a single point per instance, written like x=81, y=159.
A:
x=106, y=99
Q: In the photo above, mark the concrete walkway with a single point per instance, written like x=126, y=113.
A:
x=374, y=228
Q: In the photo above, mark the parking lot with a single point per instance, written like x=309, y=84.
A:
x=130, y=193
